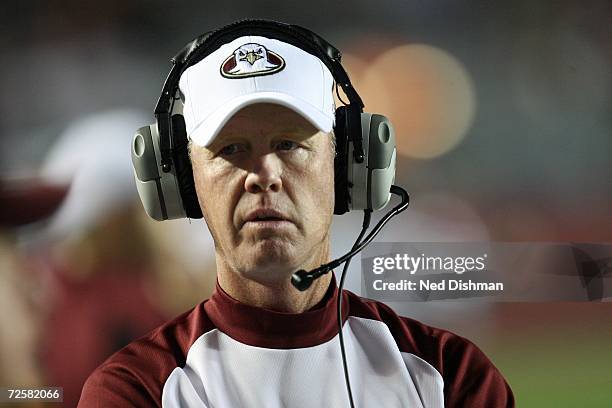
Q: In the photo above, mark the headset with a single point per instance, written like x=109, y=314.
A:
x=364, y=165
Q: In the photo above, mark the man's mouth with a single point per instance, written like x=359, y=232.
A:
x=265, y=217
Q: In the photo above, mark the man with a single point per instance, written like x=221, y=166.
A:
x=259, y=115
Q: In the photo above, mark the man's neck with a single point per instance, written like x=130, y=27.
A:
x=280, y=296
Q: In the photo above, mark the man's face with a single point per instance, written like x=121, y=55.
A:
x=266, y=189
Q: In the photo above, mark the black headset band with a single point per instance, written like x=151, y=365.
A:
x=204, y=45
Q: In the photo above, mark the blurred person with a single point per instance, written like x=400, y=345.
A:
x=23, y=201
x=184, y=270
x=260, y=119
x=102, y=292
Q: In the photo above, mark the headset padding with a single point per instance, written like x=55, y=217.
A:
x=183, y=169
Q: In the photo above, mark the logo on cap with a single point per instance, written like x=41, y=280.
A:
x=251, y=60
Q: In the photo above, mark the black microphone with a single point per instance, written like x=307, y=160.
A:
x=302, y=279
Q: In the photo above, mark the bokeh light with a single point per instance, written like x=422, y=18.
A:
x=426, y=92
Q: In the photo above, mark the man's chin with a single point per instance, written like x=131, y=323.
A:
x=276, y=250
x=274, y=260
x=271, y=266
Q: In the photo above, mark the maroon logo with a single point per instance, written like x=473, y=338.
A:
x=251, y=60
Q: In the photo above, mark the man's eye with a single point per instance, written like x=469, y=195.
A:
x=286, y=145
x=231, y=149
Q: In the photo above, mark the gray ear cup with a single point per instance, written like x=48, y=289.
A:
x=158, y=191
x=370, y=181
x=381, y=161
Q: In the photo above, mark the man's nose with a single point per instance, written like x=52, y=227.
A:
x=265, y=174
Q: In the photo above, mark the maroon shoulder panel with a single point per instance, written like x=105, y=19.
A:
x=470, y=378
x=135, y=375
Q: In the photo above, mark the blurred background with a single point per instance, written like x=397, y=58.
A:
x=502, y=114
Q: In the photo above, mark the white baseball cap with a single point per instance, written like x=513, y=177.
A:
x=255, y=69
